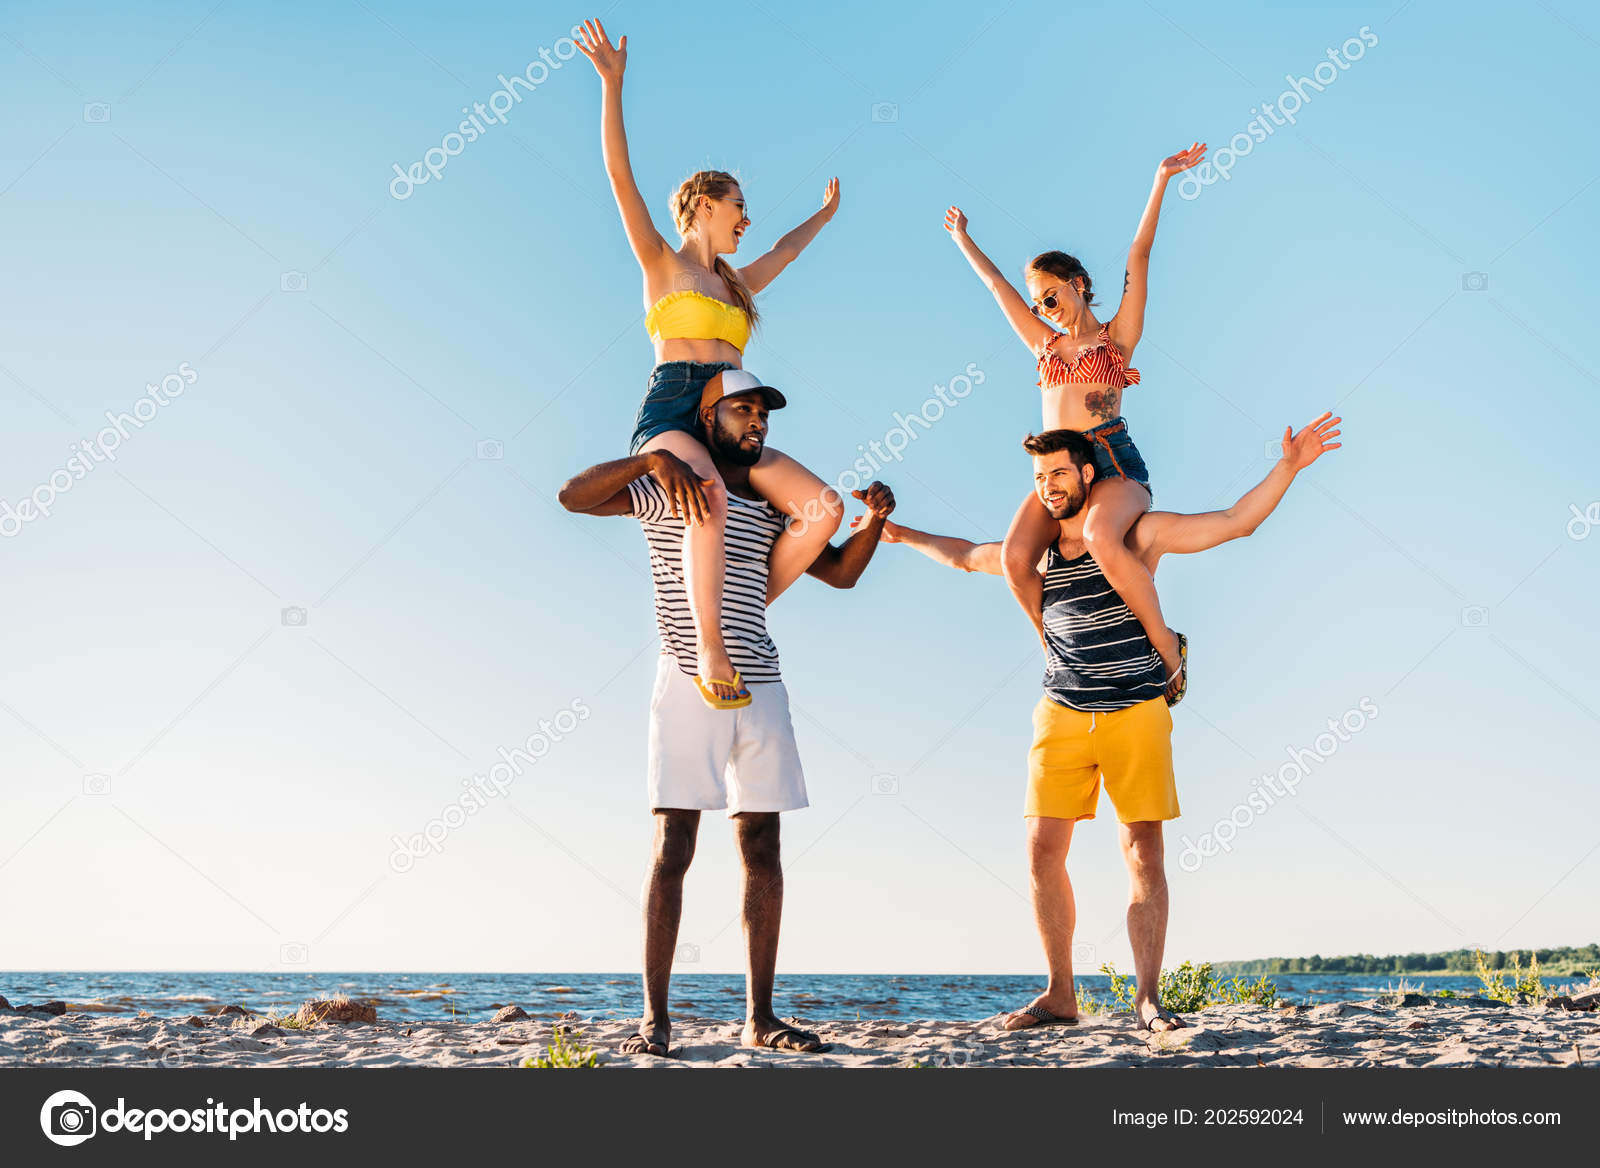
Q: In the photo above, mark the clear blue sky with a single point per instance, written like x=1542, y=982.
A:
x=169, y=171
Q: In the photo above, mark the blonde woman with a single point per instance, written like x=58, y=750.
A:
x=1084, y=366
x=700, y=311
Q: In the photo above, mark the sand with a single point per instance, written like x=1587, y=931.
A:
x=1425, y=1033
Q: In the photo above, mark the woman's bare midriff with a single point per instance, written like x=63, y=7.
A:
x=704, y=351
x=1080, y=407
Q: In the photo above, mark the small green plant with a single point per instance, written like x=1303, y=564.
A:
x=1516, y=989
x=1122, y=990
x=1444, y=993
x=1090, y=1003
x=1193, y=987
x=1242, y=991
x=564, y=1055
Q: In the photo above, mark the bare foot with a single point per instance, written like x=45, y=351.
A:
x=716, y=670
x=1171, y=651
x=652, y=1038
x=1158, y=1019
x=770, y=1033
x=1057, y=1011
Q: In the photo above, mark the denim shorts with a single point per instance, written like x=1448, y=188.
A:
x=1115, y=455
x=672, y=399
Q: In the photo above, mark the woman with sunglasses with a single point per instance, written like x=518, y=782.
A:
x=700, y=310
x=1084, y=366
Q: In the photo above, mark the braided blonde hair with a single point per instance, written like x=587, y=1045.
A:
x=715, y=184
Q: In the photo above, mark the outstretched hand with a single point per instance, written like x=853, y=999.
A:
x=830, y=197
x=1183, y=160
x=608, y=60
x=1302, y=449
x=891, y=532
x=955, y=223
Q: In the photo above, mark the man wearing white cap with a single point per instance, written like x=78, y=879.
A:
x=700, y=758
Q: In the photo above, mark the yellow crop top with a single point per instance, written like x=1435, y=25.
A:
x=694, y=316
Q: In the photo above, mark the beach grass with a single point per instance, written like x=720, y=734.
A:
x=1192, y=987
x=564, y=1054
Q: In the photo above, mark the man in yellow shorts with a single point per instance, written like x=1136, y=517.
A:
x=1104, y=715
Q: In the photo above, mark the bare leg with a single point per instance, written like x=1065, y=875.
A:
x=813, y=505
x=1031, y=534
x=705, y=562
x=762, y=917
x=1114, y=506
x=1056, y=914
x=1144, y=851
x=663, y=909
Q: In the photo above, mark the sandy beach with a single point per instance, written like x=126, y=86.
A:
x=1401, y=1031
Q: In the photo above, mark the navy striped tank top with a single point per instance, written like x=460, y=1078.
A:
x=1096, y=654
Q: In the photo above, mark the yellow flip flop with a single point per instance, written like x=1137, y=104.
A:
x=716, y=703
x=1183, y=671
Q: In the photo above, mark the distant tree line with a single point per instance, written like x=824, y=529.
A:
x=1462, y=961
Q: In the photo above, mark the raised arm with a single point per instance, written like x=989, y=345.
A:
x=763, y=270
x=1160, y=533
x=1128, y=324
x=603, y=489
x=841, y=567
x=610, y=61
x=1013, y=304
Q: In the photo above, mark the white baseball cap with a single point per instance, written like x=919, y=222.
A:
x=732, y=382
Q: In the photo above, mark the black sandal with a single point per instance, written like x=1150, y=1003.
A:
x=1043, y=1018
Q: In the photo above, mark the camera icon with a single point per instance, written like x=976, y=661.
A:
x=1273, y=450
x=491, y=449
x=1084, y=955
x=1474, y=281
x=68, y=1118
x=294, y=617
x=292, y=282
x=1475, y=616
x=885, y=112
x=293, y=953
x=97, y=784
x=884, y=784
x=97, y=112
x=687, y=953
x=685, y=282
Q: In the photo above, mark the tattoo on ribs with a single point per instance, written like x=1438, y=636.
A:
x=1103, y=403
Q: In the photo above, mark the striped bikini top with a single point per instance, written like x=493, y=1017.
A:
x=1101, y=364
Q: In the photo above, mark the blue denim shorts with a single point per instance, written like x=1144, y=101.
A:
x=672, y=399
x=1115, y=455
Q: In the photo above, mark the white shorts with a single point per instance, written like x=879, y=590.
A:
x=706, y=760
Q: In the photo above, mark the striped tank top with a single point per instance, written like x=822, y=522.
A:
x=753, y=527
x=1096, y=654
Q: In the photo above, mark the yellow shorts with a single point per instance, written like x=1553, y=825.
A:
x=1073, y=750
